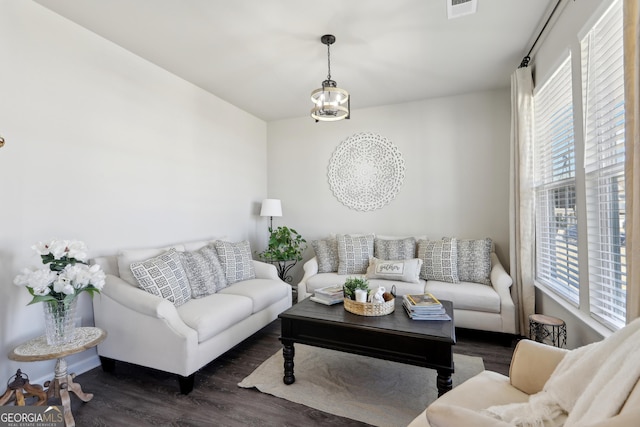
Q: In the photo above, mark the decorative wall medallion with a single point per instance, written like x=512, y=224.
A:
x=366, y=171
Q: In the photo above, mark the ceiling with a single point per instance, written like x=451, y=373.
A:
x=265, y=56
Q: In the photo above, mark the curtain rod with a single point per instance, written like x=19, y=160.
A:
x=527, y=58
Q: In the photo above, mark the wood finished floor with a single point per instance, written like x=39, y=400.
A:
x=136, y=396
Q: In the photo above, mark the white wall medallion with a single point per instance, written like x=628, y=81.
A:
x=366, y=171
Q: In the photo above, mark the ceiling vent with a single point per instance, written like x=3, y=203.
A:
x=458, y=8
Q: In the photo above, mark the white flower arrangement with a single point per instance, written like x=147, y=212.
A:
x=65, y=273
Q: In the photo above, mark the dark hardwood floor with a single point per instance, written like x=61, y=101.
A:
x=136, y=396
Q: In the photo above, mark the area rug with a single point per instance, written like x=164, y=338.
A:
x=377, y=392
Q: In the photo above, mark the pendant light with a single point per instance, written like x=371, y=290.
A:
x=330, y=102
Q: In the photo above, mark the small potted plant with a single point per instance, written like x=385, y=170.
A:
x=354, y=283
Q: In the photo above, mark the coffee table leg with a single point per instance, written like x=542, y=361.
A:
x=288, y=352
x=444, y=381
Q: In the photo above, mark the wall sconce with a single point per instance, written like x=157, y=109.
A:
x=1, y=142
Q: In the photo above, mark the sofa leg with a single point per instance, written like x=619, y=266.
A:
x=108, y=364
x=186, y=383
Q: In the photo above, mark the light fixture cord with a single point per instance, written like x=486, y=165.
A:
x=329, y=61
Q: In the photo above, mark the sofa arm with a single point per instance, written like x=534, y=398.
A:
x=265, y=270
x=137, y=299
x=310, y=268
x=501, y=282
x=532, y=364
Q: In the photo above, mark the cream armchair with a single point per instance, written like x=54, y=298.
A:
x=531, y=367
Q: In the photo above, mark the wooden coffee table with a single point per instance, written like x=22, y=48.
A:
x=393, y=337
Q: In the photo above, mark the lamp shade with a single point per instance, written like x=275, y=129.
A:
x=271, y=207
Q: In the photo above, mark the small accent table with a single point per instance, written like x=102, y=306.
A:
x=283, y=268
x=58, y=392
x=547, y=328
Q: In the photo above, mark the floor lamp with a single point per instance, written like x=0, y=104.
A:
x=271, y=208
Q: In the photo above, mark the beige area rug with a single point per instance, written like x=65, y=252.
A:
x=377, y=392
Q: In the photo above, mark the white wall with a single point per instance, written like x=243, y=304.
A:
x=456, y=152
x=105, y=147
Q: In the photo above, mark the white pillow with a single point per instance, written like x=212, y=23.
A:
x=163, y=276
x=128, y=256
x=407, y=270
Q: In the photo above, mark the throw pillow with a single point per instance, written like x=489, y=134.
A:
x=394, y=249
x=474, y=261
x=236, y=260
x=128, y=256
x=440, y=260
x=327, y=254
x=163, y=276
x=204, y=272
x=407, y=270
x=354, y=253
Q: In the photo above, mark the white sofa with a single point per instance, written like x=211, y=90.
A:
x=150, y=331
x=476, y=306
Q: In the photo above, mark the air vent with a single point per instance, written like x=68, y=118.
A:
x=458, y=8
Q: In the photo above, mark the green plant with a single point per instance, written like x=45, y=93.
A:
x=353, y=283
x=284, y=244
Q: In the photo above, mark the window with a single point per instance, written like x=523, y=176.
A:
x=603, y=100
x=600, y=239
x=555, y=185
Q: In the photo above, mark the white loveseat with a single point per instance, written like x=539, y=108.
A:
x=476, y=306
x=148, y=330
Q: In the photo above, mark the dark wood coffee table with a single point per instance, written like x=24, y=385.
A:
x=393, y=337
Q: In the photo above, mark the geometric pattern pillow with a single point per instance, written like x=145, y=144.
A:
x=327, y=254
x=440, y=260
x=236, y=260
x=163, y=276
x=395, y=249
x=474, y=261
x=219, y=276
x=203, y=271
x=354, y=253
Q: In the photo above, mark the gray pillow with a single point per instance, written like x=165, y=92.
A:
x=354, y=253
x=163, y=276
x=474, y=261
x=395, y=249
x=440, y=260
x=327, y=254
x=236, y=260
x=204, y=272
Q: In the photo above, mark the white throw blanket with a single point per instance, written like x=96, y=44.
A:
x=590, y=384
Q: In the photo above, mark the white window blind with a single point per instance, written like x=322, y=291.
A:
x=603, y=98
x=554, y=180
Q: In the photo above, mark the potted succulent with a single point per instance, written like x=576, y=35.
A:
x=354, y=283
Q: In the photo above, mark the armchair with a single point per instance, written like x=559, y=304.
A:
x=531, y=366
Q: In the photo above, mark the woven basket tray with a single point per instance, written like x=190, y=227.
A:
x=368, y=308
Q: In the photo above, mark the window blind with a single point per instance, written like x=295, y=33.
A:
x=603, y=98
x=554, y=181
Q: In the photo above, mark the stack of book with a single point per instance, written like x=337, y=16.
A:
x=424, y=307
x=329, y=295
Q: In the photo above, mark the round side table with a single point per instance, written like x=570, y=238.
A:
x=58, y=392
x=548, y=329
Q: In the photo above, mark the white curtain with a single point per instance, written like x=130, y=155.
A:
x=521, y=198
x=632, y=153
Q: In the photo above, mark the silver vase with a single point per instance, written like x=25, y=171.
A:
x=59, y=321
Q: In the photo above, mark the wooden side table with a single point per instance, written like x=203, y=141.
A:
x=58, y=392
x=547, y=328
